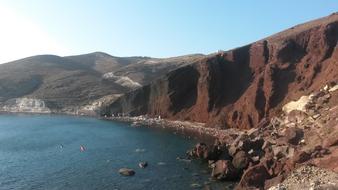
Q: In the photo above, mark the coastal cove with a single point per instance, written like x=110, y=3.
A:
x=43, y=151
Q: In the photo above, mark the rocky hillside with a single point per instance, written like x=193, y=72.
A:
x=82, y=83
x=240, y=87
x=296, y=149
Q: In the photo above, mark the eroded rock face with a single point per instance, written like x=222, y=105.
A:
x=239, y=88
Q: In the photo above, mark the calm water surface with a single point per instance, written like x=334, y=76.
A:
x=43, y=152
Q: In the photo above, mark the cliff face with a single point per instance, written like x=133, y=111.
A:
x=240, y=87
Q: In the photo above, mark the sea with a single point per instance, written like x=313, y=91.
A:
x=44, y=152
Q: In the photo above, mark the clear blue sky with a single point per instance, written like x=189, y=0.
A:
x=155, y=28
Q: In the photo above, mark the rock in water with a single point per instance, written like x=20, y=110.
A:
x=195, y=186
x=126, y=172
x=143, y=164
x=224, y=170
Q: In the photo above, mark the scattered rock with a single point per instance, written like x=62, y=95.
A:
x=126, y=172
x=274, y=183
x=316, y=116
x=310, y=177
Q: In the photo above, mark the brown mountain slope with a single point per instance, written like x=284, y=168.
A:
x=65, y=84
x=239, y=87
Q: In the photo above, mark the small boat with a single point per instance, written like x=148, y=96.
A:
x=82, y=148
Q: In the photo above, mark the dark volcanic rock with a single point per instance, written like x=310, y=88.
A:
x=224, y=170
x=255, y=144
x=301, y=157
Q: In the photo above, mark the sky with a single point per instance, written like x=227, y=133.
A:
x=155, y=28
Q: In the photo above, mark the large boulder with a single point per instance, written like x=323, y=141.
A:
x=329, y=161
x=224, y=170
x=216, y=152
x=301, y=157
x=241, y=160
x=225, y=155
x=201, y=150
x=254, y=144
x=293, y=135
x=254, y=177
x=332, y=138
x=295, y=116
x=312, y=138
x=280, y=151
x=233, y=150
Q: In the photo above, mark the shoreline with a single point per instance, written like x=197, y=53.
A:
x=187, y=129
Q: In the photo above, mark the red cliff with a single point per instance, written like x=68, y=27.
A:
x=240, y=87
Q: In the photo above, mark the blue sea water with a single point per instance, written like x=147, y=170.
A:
x=43, y=152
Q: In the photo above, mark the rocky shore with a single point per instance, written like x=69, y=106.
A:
x=296, y=150
x=186, y=128
x=301, y=141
